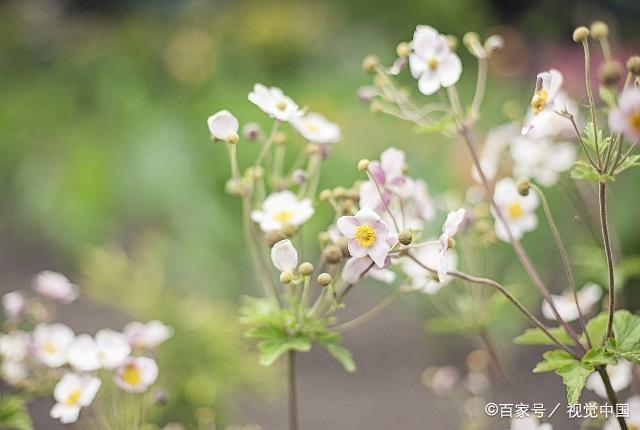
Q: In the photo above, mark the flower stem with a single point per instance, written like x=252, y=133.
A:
x=611, y=394
x=293, y=399
x=592, y=105
x=602, y=198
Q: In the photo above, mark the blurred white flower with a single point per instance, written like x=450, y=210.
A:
x=620, y=375
x=367, y=235
x=498, y=138
x=625, y=118
x=529, y=423
x=14, y=346
x=51, y=343
x=274, y=103
x=108, y=350
x=147, y=336
x=281, y=209
x=316, y=128
x=55, y=286
x=136, y=374
x=429, y=255
x=518, y=211
x=543, y=103
x=14, y=372
x=432, y=62
x=14, y=305
x=284, y=256
x=224, y=126
x=588, y=297
x=548, y=124
x=444, y=379
x=541, y=160
x=72, y=393
x=449, y=229
x=633, y=421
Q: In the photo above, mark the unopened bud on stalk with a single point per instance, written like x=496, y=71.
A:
x=324, y=279
x=343, y=244
x=280, y=138
x=332, y=254
x=290, y=230
x=609, y=73
x=375, y=106
x=405, y=237
x=235, y=187
x=633, y=65
x=160, y=396
x=347, y=206
x=369, y=63
x=252, y=131
x=233, y=139
x=313, y=149
x=299, y=176
x=580, y=34
x=325, y=195
x=599, y=30
x=287, y=277
x=273, y=237
x=339, y=192
x=452, y=41
x=255, y=172
x=363, y=165
x=523, y=186
x=403, y=49
x=367, y=94
x=324, y=238
x=305, y=268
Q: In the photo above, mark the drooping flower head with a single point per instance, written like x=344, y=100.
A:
x=518, y=211
x=51, y=343
x=284, y=256
x=148, y=335
x=72, y=393
x=625, y=118
x=367, y=235
x=432, y=62
x=281, y=209
x=137, y=374
x=316, y=128
x=55, y=286
x=274, y=103
x=449, y=229
x=224, y=126
x=544, y=101
x=588, y=296
x=429, y=254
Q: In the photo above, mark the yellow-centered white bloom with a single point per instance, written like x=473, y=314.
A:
x=529, y=423
x=274, y=103
x=625, y=118
x=108, y=350
x=518, y=211
x=51, y=343
x=136, y=374
x=545, y=103
x=316, y=128
x=72, y=393
x=367, y=235
x=588, y=297
x=147, y=335
x=620, y=375
x=541, y=160
x=428, y=254
x=432, y=62
x=223, y=126
x=284, y=256
x=55, y=286
x=281, y=209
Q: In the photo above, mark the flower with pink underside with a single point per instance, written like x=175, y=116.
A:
x=389, y=177
x=625, y=118
x=449, y=229
x=367, y=235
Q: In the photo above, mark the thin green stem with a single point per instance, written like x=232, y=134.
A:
x=602, y=199
x=371, y=313
x=268, y=143
x=592, y=105
x=293, y=398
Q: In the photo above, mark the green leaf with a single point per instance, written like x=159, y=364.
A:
x=599, y=356
x=14, y=414
x=597, y=328
x=535, y=336
x=271, y=351
x=585, y=171
x=628, y=163
x=553, y=360
x=266, y=332
x=299, y=343
x=626, y=329
x=342, y=355
x=574, y=376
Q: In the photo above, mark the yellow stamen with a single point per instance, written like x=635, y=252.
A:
x=50, y=347
x=131, y=375
x=539, y=100
x=365, y=236
x=284, y=215
x=311, y=127
x=73, y=398
x=515, y=210
x=634, y=121
x=281, y=105
x=432, y=63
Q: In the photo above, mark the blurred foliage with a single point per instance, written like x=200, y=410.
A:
x=207, y=359
x=14, y=414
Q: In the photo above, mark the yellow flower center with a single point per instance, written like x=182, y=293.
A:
x=281, y=105
x=131, y=375
x=365, y=236
x=515, y=210
x=73, y=398
x=311, y=127
x=635, y=120
x=432, y=63
x=284, y=215
x=49, y=348
x=539, y=100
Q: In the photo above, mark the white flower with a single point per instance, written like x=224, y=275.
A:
x=541, y=160
x=316, y=128
x=429, y=255
x=14, y=372
x=518, y=211
x=72, y=393
x=620, y=375
x=529, y=423
x=274, y=103
x=14, y=305
x=147, y=336
x=136, y=374
x=432, y=62
x=588, y=296
x=498, y=138
x=548, y=124
x=449, y=229
x=14, y=346
x=51, y=343
x=284, y=256
x=633, y=421
x=108, y=350
x=224, y=126
x=55, y=286
x=625, y=118
x=281, y=209
x=367, y=235
x=544, y=103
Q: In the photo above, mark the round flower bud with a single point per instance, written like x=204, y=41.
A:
x=252, y=131
x=403, y=49
x=580, y=34
x=363, y=165
x=451, y=243
x=325, y=195
x=287, y=277
x=324, y=238
x=375, y=106
x=289, y=230
x=477, y=361
x=599, y=30
x=160, y=396
x=343, y=244
x=305, y=268
x=280, y=138
x=339, y=192
x=256, y=172
x=347, y=206
x=609, y=73
x=332, y=254
x=273, y=237
x=324, y=279
x=633, y=65
x=405, y=237
x=233, y=139
x=452, y=41
x=470, y=38
x=366, y=94
x=369, y=63
x=299, y=176
x=523, y=186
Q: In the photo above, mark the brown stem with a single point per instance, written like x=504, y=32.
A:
x=490, y=347
x=293, y=401
x=611, y=394
x=602, y=197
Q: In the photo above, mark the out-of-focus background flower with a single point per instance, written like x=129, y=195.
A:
x=107, y=174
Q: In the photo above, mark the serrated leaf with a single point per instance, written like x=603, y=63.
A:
x=584, y=171
x=553, y=360
x=628, y=163
x=626, y=328
x=535, y=336
x=597, y=328
x=343, y=355
x=14, y=414
x=599, y=356
x=574, y=376
x=271, y=351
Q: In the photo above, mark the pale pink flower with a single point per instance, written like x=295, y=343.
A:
x=224, y=126
x=432, y=61
x=137, y=374
x=367, y=235
x=625, y=118
x=316, y=128
x=55, y=286
x=449, y=230
x=281, y=209
x=274, y=103
x=284, y=256
x=14, y=305
x=147, y=335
